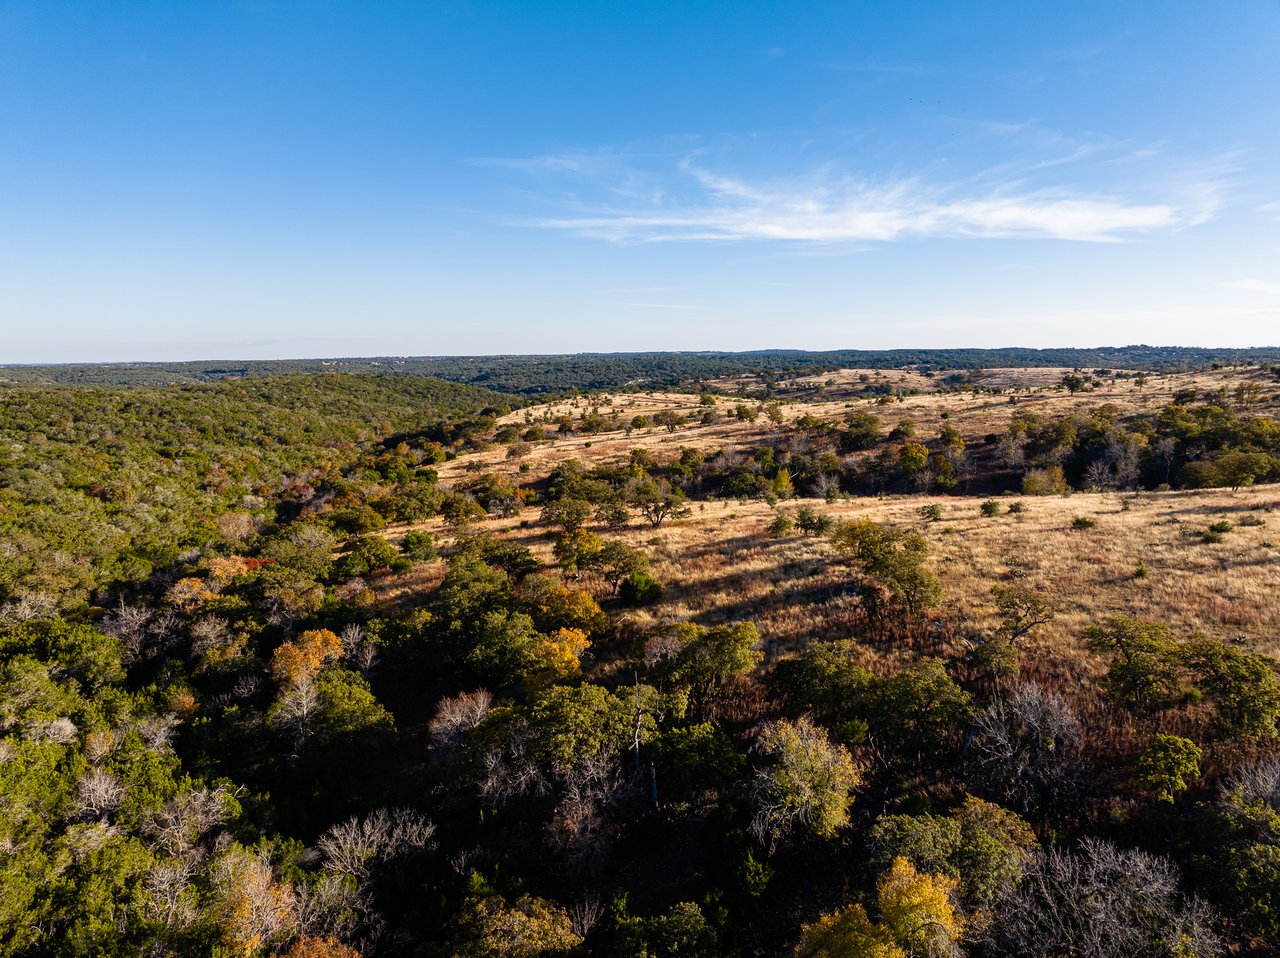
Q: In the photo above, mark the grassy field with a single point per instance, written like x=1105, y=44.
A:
x=1144, y=554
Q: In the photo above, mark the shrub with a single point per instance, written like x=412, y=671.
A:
x=990, y=508
x=931, y=512
x=418, y=545
x=1045, y=482
x=364, y=556
x=812, y=522
x=640, y=588
x=1083, y=522
x=781, y=525
x=903, y=430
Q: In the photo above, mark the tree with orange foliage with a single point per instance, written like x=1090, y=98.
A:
x=189, y=593
x=298, y=661
x=222, y=569
x=257, y=911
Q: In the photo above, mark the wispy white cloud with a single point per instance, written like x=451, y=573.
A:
x=985, y=180
x=824, y=210
x=1256, y=286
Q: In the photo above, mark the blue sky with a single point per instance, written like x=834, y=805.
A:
x=286, y=178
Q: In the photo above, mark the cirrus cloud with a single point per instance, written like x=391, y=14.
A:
x=672, y=199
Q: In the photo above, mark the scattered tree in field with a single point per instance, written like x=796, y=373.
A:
x=613, y=513
x=657, y=500
x=890, y=559
x=1074, y=383
x=1144, y=675
x=615, y=560
x=670, y=420
x=577, y=551
x=1022, y=609
x=569, y=514
x=1242, y=687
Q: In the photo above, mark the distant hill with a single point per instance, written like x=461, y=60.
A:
x=530, y=375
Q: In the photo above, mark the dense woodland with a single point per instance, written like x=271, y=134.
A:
x=539, y=375
x=272, y=685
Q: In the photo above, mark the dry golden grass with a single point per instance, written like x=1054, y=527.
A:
x=974, y=415
x=719, y=563
x=615, y=445
x=1037, y=390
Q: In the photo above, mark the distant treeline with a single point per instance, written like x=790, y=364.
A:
x=595, y=371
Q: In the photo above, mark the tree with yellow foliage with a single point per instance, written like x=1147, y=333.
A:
x=919, y=910
x=847, y=933
x=559, y=655
x=530, y=928
x=918, y=919
x=223, y=569
x=576, y=550
x=553, y=606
